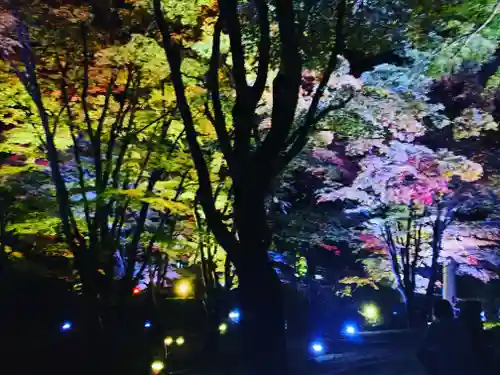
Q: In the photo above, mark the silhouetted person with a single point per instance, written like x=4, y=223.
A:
x=445, y=348
x=470, y=319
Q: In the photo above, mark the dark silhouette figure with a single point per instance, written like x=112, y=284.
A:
x=480, y=357
x=446, y=346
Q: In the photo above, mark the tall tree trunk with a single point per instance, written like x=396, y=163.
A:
x=436, y=248
x=261, y=295
x=313, y=308
x=410, y=307
x=263, y=320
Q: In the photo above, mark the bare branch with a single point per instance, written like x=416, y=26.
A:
x=218, y=120
x=85, y=88
x=333, y=107
x=264, y=50
x=96, y=139
x=163, y=135
x=229, y=15
x=76, y=149
x=117, y=124
x=285, y=89
x=29, y=79
x=470, y=35
x=299, y=138
x=205, y=193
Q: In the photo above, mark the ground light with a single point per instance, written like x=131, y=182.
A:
x=136, y=291
x=317, y=347
x=157, y=367
x=183, y=288
x=147, y=324
x=66, y=326
x=168, y=341
x=223, y=328
x=234, y=315
x=350, y=329
x=180, y=341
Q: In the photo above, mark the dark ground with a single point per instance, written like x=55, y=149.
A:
x=373, y=354
x=387, y=353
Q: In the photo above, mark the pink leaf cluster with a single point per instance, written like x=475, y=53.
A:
x=401, y=174
x=7, y=25
x=346, y=167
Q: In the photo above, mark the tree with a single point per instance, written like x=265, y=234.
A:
x=100, y=120
x=252, y=162
x=406, y=188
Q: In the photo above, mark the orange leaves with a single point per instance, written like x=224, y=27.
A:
x=72, y=14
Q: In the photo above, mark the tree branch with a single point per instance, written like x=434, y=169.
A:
x=76, y=150
x=85, y=88
x=263, y=50
x=330, y=108
x=205, y=194
x=218, y=120
x=285, y=91
x=229, y=15
x=115, y=127
x=299, y=138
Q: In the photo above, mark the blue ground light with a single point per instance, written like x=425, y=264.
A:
x=147, y=324
x=350, y=329
x=317, y=347
x=66, y=326
x=234, y=315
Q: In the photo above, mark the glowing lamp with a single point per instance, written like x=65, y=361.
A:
x=234, y=315
x=147, y=324
x=157, y=367
x=223, y=328
x=66, y=326
x=136, y=291
x=317, y=347
x=168, y=341
x=180, y=341
x=371, y=312
x=183, y=288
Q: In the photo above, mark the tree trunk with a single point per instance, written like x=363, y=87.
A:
x=436, y=249
x=261, y=294
x=263, y=320
x=313, y=309
x=410, y=309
